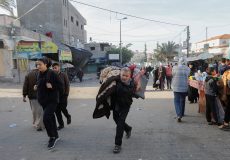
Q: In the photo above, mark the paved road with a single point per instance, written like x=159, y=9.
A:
x=156, y=134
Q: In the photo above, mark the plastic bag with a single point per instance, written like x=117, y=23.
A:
x=220, y=111
x=158, y=81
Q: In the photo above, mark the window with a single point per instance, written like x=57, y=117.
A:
x=82, y=27
x=92, y=48
x=1, y=44
x=65, y=22
x=102, y=47
x=77, y=23
x=65, y=2
x=71, y=18
x=15, y=64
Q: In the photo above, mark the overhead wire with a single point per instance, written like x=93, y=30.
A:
x=34, y=7
x=129, y=15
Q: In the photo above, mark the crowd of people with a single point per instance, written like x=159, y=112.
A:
x=48, y=92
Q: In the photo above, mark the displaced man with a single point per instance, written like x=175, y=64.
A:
x=28, y=90
x=62, y=105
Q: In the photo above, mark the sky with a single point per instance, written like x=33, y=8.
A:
x=103, y=26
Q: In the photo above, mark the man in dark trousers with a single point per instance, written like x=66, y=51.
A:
x=62, y=105
x=123, y=100
x=48, y=88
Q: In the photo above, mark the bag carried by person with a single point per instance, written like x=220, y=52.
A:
x=219, y=110
x=143, y=80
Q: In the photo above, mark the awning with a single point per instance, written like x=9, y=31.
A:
x=191, y=59
x=33, y=50
x=64, y=53
x=80, y=56
x=227, y=55
x=205, y=56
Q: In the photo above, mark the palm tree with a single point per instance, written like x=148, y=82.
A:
x=165, y=51
x=8, y=4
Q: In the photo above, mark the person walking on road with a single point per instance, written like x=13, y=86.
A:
x=180, y=87
x=62, y=105
x=123, y=99
x=48, y=87
x=211, y=91
x=28, y=91
x=169, y=76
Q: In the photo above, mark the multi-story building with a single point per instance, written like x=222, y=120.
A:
x=217, y=45
x=99, y=56
x=59, y=18
x=97, y=49
x=13, y=68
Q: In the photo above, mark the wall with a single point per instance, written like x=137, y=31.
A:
x=5, y=65
x=48, y=14
x=7, y=20
x=53, y=16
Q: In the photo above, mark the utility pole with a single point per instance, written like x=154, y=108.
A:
x=120, y=45
x=188, y=38
x=206, y=29
x=145, y=52
x=120, y=40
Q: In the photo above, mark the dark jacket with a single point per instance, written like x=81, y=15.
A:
x=210, y=86
x=49, y=95
x=65, y=80
x=28, y=86
x=124, y=93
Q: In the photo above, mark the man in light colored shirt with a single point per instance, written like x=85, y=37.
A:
x=180, y=75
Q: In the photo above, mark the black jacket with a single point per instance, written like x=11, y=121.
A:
x=124, y=93
x=45, y=95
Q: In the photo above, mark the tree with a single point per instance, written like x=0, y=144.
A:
x=127, y=54
x=165, y=51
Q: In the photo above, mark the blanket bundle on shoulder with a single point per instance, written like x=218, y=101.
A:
x=103, y=99
x=108, y=77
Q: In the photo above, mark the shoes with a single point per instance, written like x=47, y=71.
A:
x=128, y=134
x=212, y=123
x=69, y=120
x=117, y=149
x=52, y=142
x=179, y=119
x=39, y=129
x=224, y=127
x=60, y=127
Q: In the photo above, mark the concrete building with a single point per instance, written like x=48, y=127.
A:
x=99, y=56
x=11, y=68
x=217, y=45
x=98, y=49
x=58, y=17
